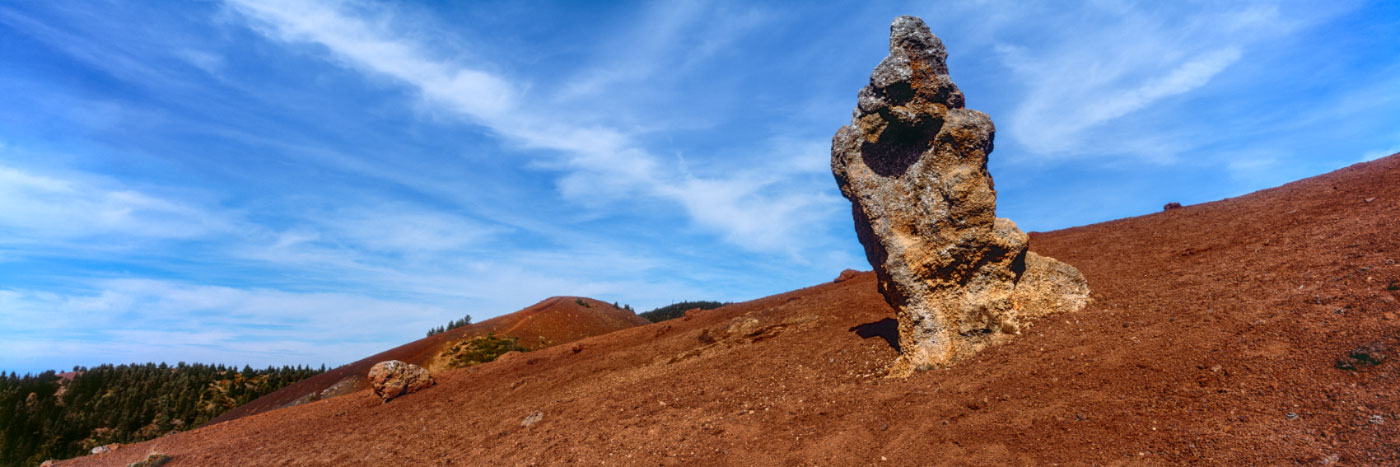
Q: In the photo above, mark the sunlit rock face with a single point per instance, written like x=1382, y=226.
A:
x=913, y=163
x=392, y=378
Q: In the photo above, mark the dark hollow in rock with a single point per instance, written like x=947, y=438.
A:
x=899, y=146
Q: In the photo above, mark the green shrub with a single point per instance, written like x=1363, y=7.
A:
x=155, y=459
x=478, y=350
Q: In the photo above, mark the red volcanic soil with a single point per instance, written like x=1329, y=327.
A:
x=1214, y=337
x=553, y=321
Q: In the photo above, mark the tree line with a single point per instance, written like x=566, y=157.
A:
x=676, y=310
x=454, y=324
x=57, y=416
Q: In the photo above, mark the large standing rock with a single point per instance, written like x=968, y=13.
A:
x=913, y=163
x=393, y=378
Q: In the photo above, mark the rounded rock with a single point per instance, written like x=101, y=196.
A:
x=391, y=379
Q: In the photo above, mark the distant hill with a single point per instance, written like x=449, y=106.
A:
x=60, y=415
x=553, y=321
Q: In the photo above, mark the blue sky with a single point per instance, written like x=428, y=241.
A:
x=280, y=182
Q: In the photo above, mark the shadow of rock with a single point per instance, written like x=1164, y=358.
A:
x=887, y=329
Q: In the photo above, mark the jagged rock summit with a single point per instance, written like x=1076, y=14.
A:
x=913, y=163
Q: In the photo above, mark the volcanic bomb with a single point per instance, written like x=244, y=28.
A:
x=913, y=163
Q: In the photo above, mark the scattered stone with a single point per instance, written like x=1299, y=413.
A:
x=100, y=450
x=748, y=326
x=531, y=419
x=846, y=275
x=576, y=348
x=1368, y=200
x=1368, y=354
x=1377, y=420
x=1291, y=416
x=705, y=337
x=1170, y=206
x=1373, y=352
x=913, y=163
x=393, y=378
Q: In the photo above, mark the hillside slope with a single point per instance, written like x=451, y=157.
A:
x=552, y=321
x=1214, y=335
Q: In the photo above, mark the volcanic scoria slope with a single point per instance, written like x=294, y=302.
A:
x=1215, y=334
x=552, y=321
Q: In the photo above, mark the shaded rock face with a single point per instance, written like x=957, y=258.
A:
x=913, y=163
x=393, y=378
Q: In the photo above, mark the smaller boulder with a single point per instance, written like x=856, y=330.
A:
x=532, y=419
x=846, y=275
x=1170, y=206
x=393, y=378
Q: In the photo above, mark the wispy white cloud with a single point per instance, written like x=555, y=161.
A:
x=400, y=229
x=367, y=45
x=670, y=39
x=1078, y=79
x=41, y=208
x=131, y=58
x=209, y=62
x=602, y=163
